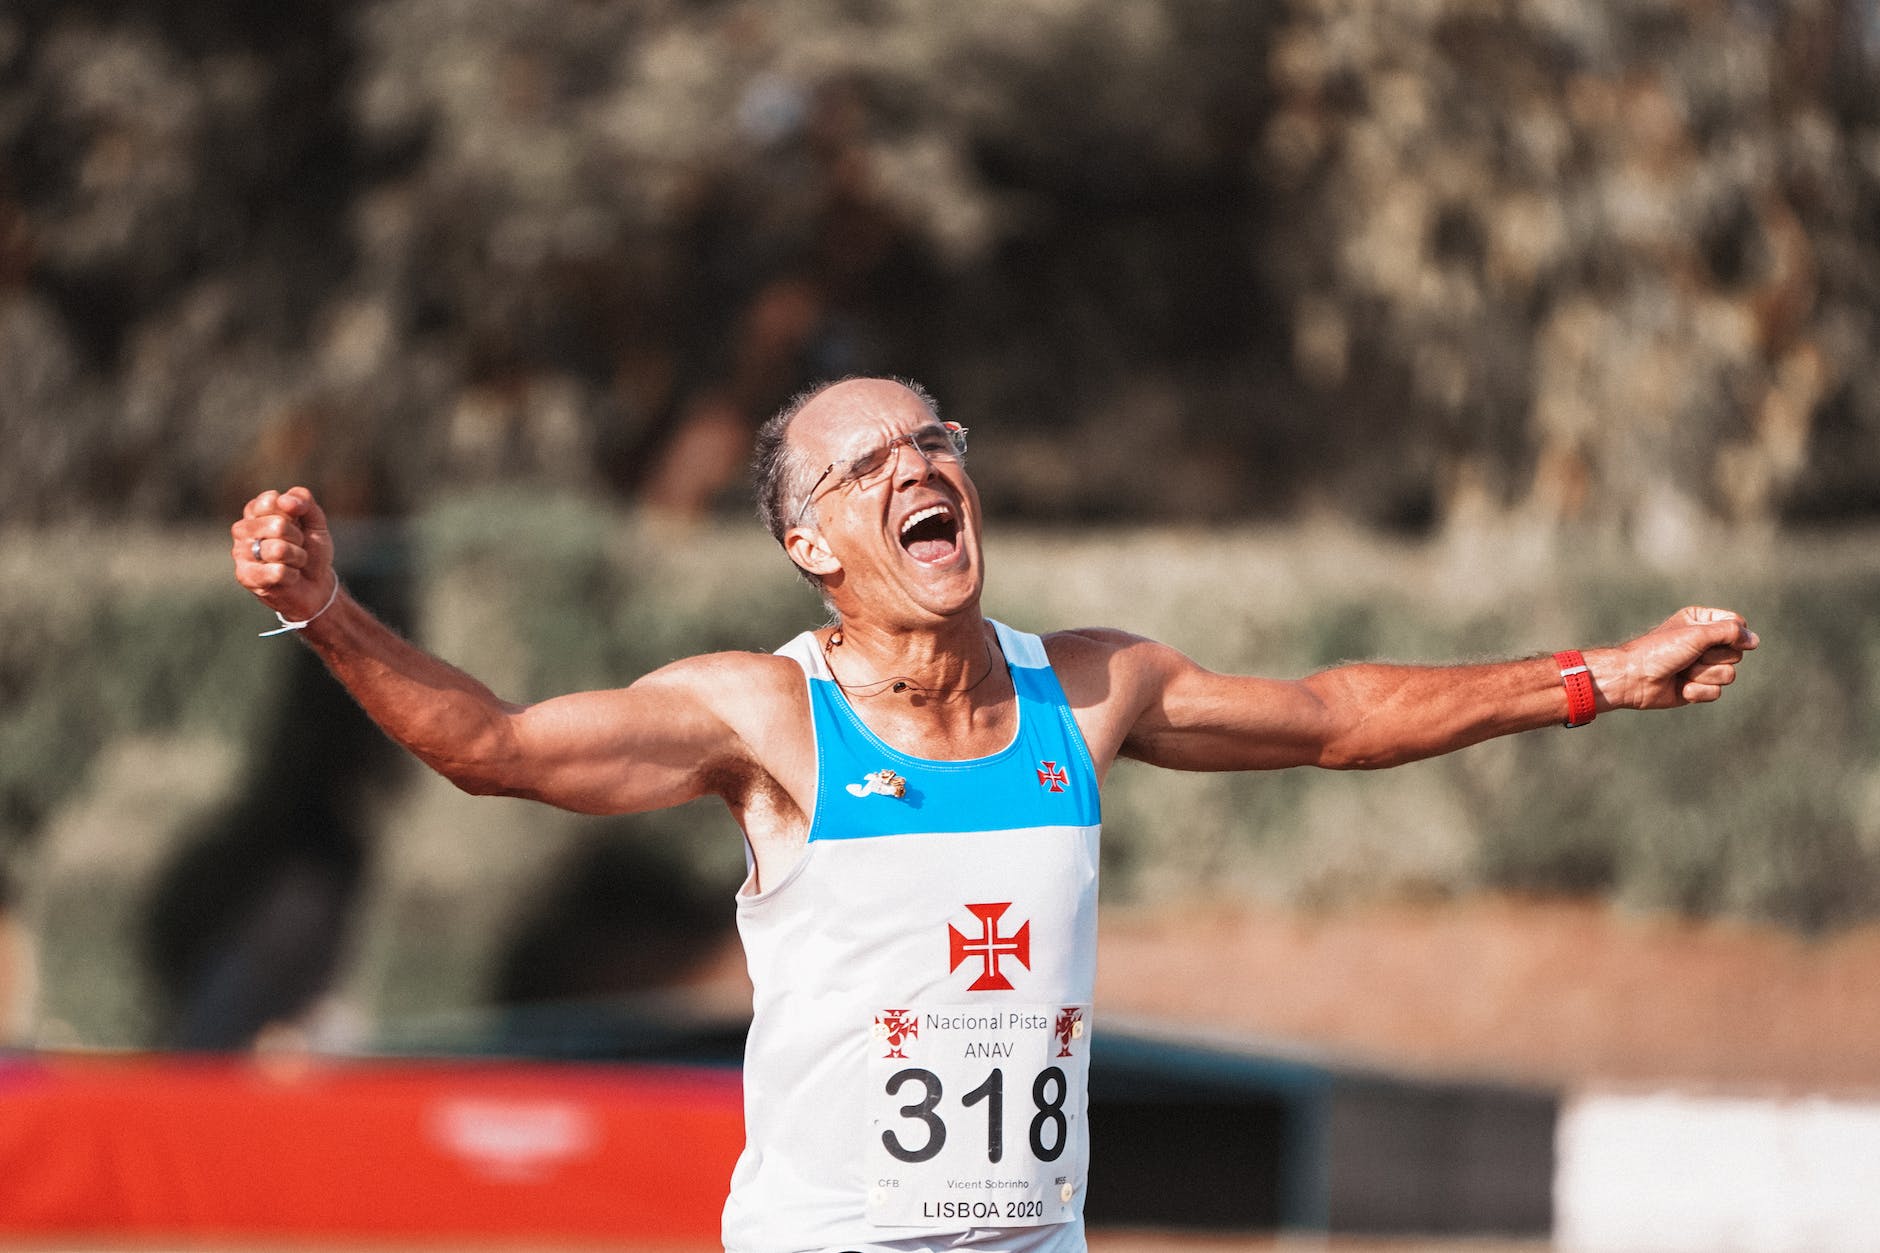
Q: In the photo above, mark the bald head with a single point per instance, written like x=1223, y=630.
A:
x=782, y=475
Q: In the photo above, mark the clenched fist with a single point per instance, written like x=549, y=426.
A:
x=1688, y=659
x=284, y=553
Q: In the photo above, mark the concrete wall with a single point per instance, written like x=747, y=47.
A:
x=1666, y=1173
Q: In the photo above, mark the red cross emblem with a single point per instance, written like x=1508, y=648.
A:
x=989, y=946
x=1052, y=775
x=896, y=1027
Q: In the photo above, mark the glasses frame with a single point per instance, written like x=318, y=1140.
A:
x=956, y=437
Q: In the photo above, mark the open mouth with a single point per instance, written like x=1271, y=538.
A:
x=930, y=535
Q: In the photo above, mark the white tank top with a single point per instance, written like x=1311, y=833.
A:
x=915, y=1075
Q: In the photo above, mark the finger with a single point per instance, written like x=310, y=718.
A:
x=1704, y=615
x=1700, y=693
x=1710, y=675
x=278, y=575
x=1722, y=654
x=263, y=576
x=1729, y=630
x=278, y=552
x=274, y=526
x=267, y=541
x=299, y=502
x=317, y=534
x=265, y=503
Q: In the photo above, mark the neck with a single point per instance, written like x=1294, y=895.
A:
x=954, y=659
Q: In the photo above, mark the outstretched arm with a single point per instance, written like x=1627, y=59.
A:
x=1366, y=716
x=658, y=742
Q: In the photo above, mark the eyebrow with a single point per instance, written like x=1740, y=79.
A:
x=876, y=445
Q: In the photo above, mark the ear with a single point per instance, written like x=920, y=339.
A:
x=807, y=549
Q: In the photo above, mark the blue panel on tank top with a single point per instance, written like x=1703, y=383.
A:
x=1042, y=778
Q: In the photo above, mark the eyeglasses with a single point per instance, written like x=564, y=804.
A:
x=938, y=443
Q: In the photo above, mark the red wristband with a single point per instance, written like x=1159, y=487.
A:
x=1578, y=681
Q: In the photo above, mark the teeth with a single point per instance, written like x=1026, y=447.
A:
x=914, y=519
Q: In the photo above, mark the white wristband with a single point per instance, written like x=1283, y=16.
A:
x=303, y=624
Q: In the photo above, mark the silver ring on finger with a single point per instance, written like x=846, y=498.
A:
x=254, y=549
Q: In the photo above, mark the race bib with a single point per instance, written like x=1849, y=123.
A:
x=976, y=1115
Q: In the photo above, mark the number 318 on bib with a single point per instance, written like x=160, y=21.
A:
x=953, y=1138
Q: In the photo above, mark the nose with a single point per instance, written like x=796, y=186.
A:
x=912, y=471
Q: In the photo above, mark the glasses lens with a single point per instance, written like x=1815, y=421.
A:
x=944, y=442
x=937, y=443
x=867, y=467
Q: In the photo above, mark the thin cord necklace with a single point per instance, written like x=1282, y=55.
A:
x=896, y=683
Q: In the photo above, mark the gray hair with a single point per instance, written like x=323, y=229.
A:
x=780, y=476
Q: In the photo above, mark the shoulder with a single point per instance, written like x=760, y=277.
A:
x=760, y=700
x=1110, y=677
x=1087, y=656
x=731, y=683
x=698, y=697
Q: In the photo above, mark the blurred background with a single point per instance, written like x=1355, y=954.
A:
x=1288, y=332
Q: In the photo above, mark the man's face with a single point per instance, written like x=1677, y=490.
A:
x=901, y=533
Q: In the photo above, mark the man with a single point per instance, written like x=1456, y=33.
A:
x=918, y=786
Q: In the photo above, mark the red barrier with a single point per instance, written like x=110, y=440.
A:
x=168, y=1147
